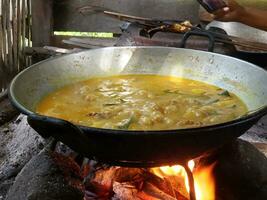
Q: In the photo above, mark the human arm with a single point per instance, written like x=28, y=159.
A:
x=234, y=12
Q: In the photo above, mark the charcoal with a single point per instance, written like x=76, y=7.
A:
x=240, y=171
x=48, y=176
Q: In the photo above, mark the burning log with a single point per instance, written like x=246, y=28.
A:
x=153, y=191
x=171, y=185
x=124, y=191
x=102, y=182
x=130, y=183
x=107, y=177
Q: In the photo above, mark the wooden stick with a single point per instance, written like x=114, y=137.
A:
x=15, y=33
x=243, y=44
x=4, y=35
x=125, y=17
x=1, y=37
x=9, y=40
x=29, y=31
x=78, y=44
x=238, y=41
x=29, y=15
x=2, y=64
x=91, y=43
x=2, y=81
x=23, y=9
x=19, y=33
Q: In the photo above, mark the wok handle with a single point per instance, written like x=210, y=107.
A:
x=198, y=33
x=61, y=130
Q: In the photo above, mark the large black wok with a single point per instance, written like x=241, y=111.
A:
x=141, y=148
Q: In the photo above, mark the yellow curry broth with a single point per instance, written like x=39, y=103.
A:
x=142, y=102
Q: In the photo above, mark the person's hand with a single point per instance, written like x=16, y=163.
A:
x=233, y=12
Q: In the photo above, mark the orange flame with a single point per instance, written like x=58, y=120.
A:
x=204, y=181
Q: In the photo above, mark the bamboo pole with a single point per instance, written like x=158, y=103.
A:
x=29, y=30
x=29, y=22
x=4, y=41
x=2, y=64
x=15, y=27
x=9, y=40
x=15, y=33
x=23, y=30
x=19, y=32
x=1, y=55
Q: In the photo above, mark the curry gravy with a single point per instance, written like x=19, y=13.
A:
x=142, y=102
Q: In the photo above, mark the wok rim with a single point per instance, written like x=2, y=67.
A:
x=252, y=116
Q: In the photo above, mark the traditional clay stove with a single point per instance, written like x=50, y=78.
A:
x=235, y=171
x=216, y=176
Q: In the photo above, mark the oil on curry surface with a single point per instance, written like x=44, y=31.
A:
x=142, y=102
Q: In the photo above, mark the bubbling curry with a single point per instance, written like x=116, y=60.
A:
x=142, y=102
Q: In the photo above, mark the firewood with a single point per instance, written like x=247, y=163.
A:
x=125, y=191
x=145, y=196
x=128, y=174
x=105, y=177
x=94, y=190
x=134, y=183
x=158, y=182
x=108, y=176
x=171, y=185
x=156, y=193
